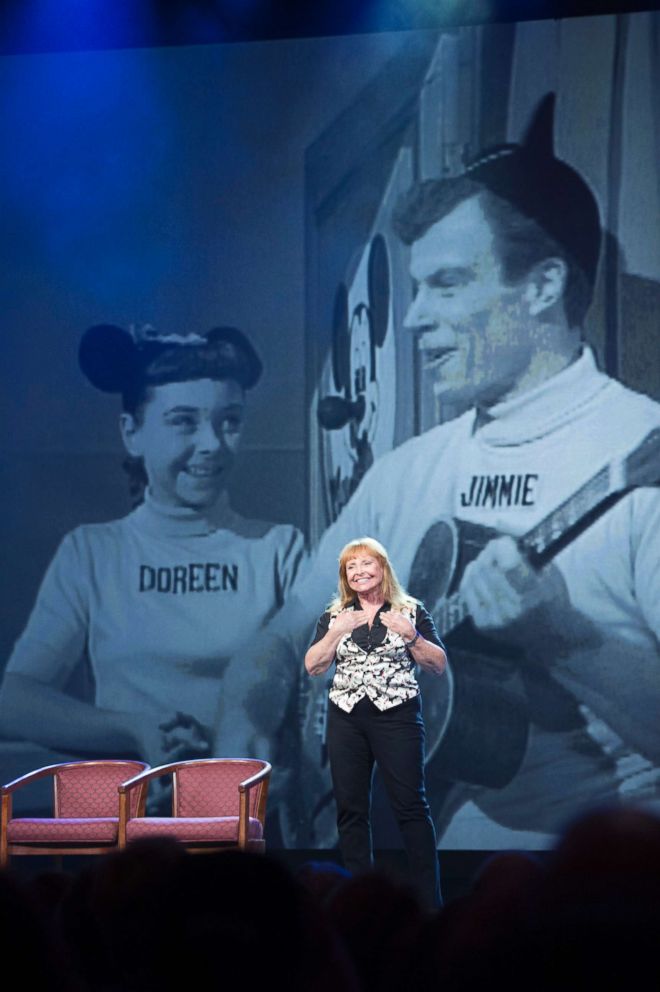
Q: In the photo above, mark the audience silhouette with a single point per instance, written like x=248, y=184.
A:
x=156, y=918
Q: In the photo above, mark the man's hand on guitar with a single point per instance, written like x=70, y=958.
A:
x=500, y=586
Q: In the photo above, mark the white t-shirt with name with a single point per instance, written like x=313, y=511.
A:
x=159, y=600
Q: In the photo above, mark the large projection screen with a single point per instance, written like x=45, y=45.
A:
x=253, y=185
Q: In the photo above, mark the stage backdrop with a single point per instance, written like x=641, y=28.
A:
x=254, y=185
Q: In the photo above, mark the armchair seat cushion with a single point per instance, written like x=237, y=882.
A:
x=191, y=829
x=41, y=830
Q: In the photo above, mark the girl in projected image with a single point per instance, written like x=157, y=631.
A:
x=160, y=599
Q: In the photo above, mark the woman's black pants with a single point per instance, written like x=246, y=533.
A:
x=394, y=740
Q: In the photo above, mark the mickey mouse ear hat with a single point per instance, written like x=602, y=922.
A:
x=544, y=188
x=117, y=361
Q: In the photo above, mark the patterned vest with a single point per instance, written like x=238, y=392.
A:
x=385, y=672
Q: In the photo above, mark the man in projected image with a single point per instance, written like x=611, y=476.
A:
x=159, y=599
x=504, y=260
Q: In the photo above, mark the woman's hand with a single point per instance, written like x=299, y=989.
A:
x=399, y=624
x=348, y=620
x=322, y=654
x=185, y=737
x=178, y=738
x=430, y=656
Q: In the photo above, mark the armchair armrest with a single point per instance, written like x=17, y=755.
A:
x=146, y=775
x=244, y=789
x=7, y=791
x=249, y=783
x=18, y=783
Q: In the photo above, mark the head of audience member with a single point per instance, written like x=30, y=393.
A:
x=378, y=917
x=157, y=919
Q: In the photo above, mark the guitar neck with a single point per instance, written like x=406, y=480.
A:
x=545, y=539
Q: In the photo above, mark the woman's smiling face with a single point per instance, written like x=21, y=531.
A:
x=364, y=573
x=187, y=434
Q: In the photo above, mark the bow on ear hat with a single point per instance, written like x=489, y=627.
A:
x=115, y=360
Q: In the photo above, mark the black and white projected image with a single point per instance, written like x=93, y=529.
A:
x=445, y=250
x=527, y=509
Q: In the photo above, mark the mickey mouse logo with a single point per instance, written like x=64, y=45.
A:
x=357, y=421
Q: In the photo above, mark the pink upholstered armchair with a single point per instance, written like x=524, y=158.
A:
x=85, y=816
x=217, y=803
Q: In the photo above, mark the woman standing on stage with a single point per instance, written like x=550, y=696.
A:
x=376, y=634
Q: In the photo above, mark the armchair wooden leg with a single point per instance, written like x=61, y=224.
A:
x=5, y=816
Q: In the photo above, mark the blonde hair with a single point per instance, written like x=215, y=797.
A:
x=392, y=589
